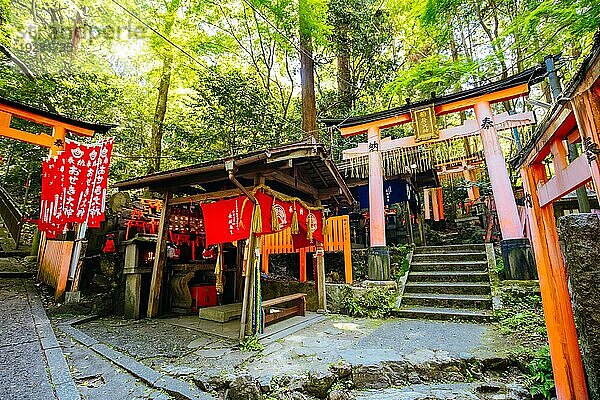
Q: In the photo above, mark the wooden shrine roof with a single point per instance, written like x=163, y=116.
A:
x=302, y=169
x=457, y=101
x=45, y=117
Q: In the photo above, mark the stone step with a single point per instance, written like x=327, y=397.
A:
x=448, y=266
x=438, y=313
x=442, y=257
x=448, y=287
x=222, y=313
x=447, y=300
x=452, y=248
x=448, y=276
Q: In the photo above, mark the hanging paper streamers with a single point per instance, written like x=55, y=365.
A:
x=74, y=186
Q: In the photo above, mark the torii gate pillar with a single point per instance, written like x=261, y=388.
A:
x=516, y=249
x=379, y=256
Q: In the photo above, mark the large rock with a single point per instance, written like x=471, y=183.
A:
x=319, y=383
x=371, y=377
x=243, y=387
x=580, y=234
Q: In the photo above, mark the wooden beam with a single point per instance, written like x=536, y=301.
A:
x=455, y=106
x=495, y=97
x=207, y=196
x=470, y=127
x=295, y=154
x=44, y=120
x=381, y=124
x=293, y=183
x=566, y=180
x=160, y=258
x=43, y=139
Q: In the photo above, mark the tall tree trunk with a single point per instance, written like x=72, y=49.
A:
x=343, y=81
x=163, y=87
x=344, y=76
x=161, y=110
x=76, y=35
x=307, y=78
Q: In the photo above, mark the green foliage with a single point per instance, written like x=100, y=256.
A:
x=4, y=17
x=399, y=261
x=541, y=381
x=372, y=303
x=435, y=73
x=522, y=315
x=251, y=344
x=499, y=265
x=229, y=113
x=312, y=16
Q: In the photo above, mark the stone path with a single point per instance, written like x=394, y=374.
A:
x=378, y=354
x=28, y=347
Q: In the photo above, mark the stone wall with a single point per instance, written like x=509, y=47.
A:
x=580, y=240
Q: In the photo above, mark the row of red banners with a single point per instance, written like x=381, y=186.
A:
x=74, y=186
x=231, y=220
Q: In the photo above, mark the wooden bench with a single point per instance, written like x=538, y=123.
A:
x=271, y=313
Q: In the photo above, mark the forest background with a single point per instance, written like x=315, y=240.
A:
x=189, y=81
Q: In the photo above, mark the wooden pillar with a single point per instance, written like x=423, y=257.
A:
x=302, y=254
x=347, y=249
x=469, y=180
x=376, y=199
x=506, y=206
x=440, y=203
x=59, y=136
x=321, y=291
x=250, y=254
x=160, y=258
x=265, y=262
x=426, y=204
x=409, y=226
x=434, y=205
x=562, y=336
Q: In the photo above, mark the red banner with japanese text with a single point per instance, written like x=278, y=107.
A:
x=74, y=186
x=227, y=220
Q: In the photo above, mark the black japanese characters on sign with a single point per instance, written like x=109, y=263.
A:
x=487, y=123
x=373, y=146
x=59, y=143
x=527, y=200
x=591, y=149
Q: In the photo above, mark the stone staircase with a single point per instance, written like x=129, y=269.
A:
x=448, y=282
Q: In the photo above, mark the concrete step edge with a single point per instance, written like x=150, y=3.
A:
x=443, y=273
x=447, y=296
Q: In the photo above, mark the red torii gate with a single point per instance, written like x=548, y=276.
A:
x=479, y=99
x=60, y=125
x=574, y=118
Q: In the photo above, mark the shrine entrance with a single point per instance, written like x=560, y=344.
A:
x=414, y=154
x=49, y=130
